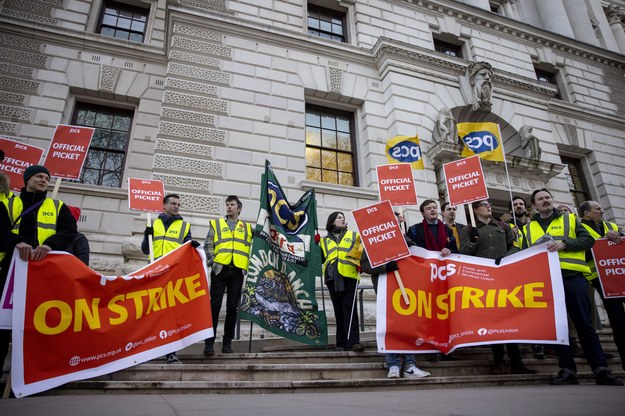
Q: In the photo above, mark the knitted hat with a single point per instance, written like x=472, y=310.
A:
x=33, y=170
x=75, y=212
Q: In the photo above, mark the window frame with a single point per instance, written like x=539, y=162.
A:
x=343, y=38
x=556, y=80
x=334, y=112
x=577, y=174
x=80, y=105
x=440, y=45
x=125, y=7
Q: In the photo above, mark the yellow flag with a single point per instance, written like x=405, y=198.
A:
x=404, y=149
x=483, y=139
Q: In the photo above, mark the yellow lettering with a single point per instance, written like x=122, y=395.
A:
x=531, y=292
x=472, y=295
x=192, y=284
x=441, y=302
x=173, y=293
x=91, y=314
x=397, y=302
x=122, y=313
x=41, y=313
x=136, y=296
x=512, y=297
x=153, y=295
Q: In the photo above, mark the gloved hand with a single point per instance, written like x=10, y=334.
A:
x=195, y=244
x=474, y=234
x=148, y=231
x=317, y=238
x=498, y=260
x=391, y=266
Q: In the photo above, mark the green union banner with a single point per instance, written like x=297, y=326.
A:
x=285, y=262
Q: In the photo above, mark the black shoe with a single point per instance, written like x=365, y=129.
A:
x=209, y=349
x=539, y=355
x=226, y=349
x=450, y=357
x=358, y=347
x=339, y=349
x=499, y=368
x=605, y=378
x=522, y=370
x=564, y=378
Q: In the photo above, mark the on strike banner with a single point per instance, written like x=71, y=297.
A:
x=145, y=195
x=17, y=157
x=465, y=181
x=610, y=262
x=380, y=233
x=68, y=151
x=87, y=324
x=460, y=301
x=396, y=184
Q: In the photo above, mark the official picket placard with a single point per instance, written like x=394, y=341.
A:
x=68, y=151
x=380, y=233
x=610, y=262
x=17, y=157
x=145, y=195
x=465, y=181
x=460, y=301
x=87, y=324
x=396, y=184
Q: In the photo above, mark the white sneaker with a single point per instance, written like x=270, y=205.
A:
x=415, y=372
x=393, y=372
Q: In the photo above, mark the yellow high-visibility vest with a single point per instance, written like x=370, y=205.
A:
x=607, y=226
x=560, y=229
x=46, y=217
x=347, y=252
x=165, y=241
x=232, y=247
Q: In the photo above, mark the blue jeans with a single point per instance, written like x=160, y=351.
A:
x=394, y=360
x=579, y=310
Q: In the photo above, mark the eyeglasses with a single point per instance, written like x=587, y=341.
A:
x=484, y=204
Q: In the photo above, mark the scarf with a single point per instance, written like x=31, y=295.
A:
x=430, y=242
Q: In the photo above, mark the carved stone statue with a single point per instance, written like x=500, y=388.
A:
x=445, y=128
x=480, y=74
x=530, y=143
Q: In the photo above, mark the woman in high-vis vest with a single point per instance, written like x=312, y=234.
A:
x=341, y=250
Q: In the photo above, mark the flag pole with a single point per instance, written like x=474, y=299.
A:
x=400, y=283
x=505, y=164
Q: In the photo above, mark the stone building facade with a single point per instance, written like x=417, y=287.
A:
x=207, y=90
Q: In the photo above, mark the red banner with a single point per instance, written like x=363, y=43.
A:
x=68, y=151
x=396, y=184
x=610, y=262
x=87, y=324
x=465, y=181
x=380, y=233
x=461, y=301
x=17, y=157
x=145, y=195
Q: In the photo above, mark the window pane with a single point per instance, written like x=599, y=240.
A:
x=328, y=160
x=109, y=20
x=313, y=174
x=328, y=139
x=100, y=138
x=345, y=162
x=136, y=37
x=328, y=122
x=313, y=136
x=329, y=176
x=344, y=142
x=121, y=34
x=313, y=119
x=346, y=179
x=137, y=26
x=107, y=31
x=313, y=157
x=104, y=121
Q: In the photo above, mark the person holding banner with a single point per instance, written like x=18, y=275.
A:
x=493, y=239
x=591, y=214
x=568, y=237
x=228, y=245
x=341, y=250
x=34, y=225
x=169, y=231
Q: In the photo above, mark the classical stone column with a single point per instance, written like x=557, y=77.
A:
x=554, y=17
x=580, y=22
x=616, y=16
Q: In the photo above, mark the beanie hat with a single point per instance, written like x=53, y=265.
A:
x=33, y=170
x=75, y=212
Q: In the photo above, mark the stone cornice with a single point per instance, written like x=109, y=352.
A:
x=518, y=31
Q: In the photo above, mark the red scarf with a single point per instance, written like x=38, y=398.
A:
x=430, y=242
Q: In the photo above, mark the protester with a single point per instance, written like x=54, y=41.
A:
x=564, y=235
x=80, y=246
x=565, y=209
x=591, y=214
x=41, y=225
x=227, y=246
x=492, y=239
x=449, y=217
x=169, y=231
x=393, y=360
x=341, y=250
x=5, y=187
x=432, y=234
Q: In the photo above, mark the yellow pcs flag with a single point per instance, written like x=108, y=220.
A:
x=404, y=149
x=483, y=139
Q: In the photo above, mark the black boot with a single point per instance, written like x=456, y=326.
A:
x=209, y=347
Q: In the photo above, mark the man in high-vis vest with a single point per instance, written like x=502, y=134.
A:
x=566, y=236
x=33, y=224
x=169, y=231
x=591, y=214
x=227, y=248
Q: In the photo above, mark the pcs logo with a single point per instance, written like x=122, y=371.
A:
x=481, y=141
x=405, y=152
x=281, y=212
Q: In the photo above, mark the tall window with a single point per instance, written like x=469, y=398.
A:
x=447, y=48
x=122, y=21
x=107, y=153
x=326, y=23
x=329, y=146
x=578, y=186
x=549, y=77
